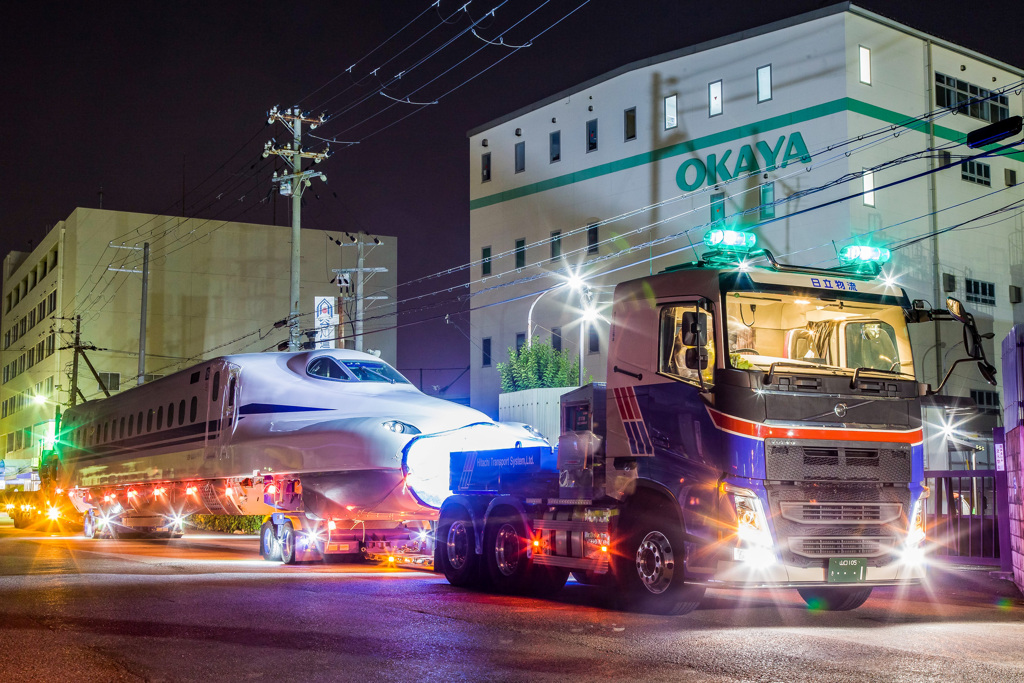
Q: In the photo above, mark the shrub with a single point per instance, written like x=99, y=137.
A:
x=539, y=366
x=249, y=524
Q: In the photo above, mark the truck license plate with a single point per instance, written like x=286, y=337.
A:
x=847, y=569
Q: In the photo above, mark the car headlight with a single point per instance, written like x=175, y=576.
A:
x=400, y=427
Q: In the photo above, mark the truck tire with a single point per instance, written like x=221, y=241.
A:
x=287, y=544
x=835, y=599
x=649, y=570
x=457, y=549
x=89, y=525
x=505, y=554
x=269, y=548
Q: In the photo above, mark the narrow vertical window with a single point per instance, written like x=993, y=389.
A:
x=520, y=341
x=869, y=188
x=767, y=201
x=485, y=167
x=486, y=352
x=592, y=135
x=555, y=146
x=485, y=261
x=556, y=338
x=592, y=240
x=715, y=98
x=520, y=157
x=764, y=83
x=556, y=245
x=520, y=253
x=629, y=124
x=671, y=113
x=718, y=208
x=865, y=65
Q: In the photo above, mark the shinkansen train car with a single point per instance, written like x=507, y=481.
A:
x=320, y=441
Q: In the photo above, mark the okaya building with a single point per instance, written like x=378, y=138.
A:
x=768, y=132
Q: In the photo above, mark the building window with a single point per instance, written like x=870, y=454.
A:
x=987, y=401
x=1010, y=176
x=486, y=349
x=593, y=340
x=629, y=124
x=485, y=167
x=51, y=301
x=970, y=99
x=976, y=172
x=767, y=201
x=592, y=135
x=520, y=157
x=51, y=343
x=979, y=292
x=869, y=188
x=592, y=240
x=520, y=253
x=555, y=146
x=556, y=245
x=865, y=65
x=556, y=338
x=764, y=83
x=671, y=113
x=485, y=261
x=718, y=208
x=715, y=98
x=111, y=380
x=520, y=341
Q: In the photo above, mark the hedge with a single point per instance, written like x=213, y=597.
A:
x=249, y=524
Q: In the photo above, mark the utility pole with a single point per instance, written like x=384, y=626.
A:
x=74, y=361
x=142, y=317
x=292, y=184
x=362, y=274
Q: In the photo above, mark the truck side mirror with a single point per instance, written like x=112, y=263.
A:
x=956, y=309
x=695, y=330
x=697, y=358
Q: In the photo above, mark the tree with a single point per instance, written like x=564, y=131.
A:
x=538, y=366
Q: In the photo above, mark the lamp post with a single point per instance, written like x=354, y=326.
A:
x=529, y=315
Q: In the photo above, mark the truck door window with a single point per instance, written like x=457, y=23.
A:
x=676, y=339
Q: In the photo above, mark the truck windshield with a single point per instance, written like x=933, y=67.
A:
x=769, y=327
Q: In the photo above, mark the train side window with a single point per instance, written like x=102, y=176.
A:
x=326, y=367
x=216, y=386
x=170, y=415
x=106, y=432
x=138, y=423
x=193, y=409
x=160, y=418
x=231, y=392
x=131, y=425
x=149, y=420
x=181, y=412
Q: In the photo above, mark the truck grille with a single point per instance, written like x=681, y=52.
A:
x=840, y=513
x=797, y=460
x=840, y=547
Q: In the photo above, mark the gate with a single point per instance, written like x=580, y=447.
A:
x=962, y=515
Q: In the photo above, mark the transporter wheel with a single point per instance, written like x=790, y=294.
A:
x=505, y=554
x=457, y=549
x=269, y=548
x=89, y=525
x=287, y=544
x=649, y=569
x=835, y=599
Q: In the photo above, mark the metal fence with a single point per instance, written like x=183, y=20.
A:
x=963, y=515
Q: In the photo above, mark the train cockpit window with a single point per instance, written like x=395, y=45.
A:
x=326, y=367
x=216, y=386
x=370, y=371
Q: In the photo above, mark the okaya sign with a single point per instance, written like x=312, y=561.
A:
x=693, y=172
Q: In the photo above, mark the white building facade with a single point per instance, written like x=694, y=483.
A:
x=768, y=131
x=214, y=287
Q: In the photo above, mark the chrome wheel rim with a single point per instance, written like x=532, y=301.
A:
x=457, y=545
x=507, y=550
x=286, y=544
x=268, y=541
x=655, y=562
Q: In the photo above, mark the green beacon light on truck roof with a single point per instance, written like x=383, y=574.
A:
x=858, y=254
x=730, y=240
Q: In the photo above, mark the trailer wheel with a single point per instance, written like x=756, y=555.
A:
x=457, y=549
x=650, y=569
x=269, y=549
x=89, y=525
x=835, y=599
x=287, y=544
x=505, y=554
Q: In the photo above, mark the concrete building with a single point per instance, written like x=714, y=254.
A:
x=214, y=288
x=620, y=176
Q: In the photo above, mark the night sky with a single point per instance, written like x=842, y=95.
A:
x=143, y=98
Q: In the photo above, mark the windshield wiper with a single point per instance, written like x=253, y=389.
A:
x=856, y=374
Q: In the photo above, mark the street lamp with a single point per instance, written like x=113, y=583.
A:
x=573, y=282
x=589, y=317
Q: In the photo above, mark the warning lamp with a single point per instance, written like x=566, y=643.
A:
x=59, y=491
x=229, y=491
x=730, y=240
x=332, y=525
x=132, y=493
x=272, y=489
x=856, y=254
x=391, y=559
x=536, y=544
x=159, y=491
x=604, y=549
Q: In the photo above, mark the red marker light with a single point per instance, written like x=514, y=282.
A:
x=272, y=489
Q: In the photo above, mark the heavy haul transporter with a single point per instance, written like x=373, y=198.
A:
x=760, y=427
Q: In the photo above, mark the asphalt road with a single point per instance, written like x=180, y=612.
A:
x=207, y=608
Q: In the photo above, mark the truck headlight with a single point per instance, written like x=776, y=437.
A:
x=913, y=551
x=756, y=545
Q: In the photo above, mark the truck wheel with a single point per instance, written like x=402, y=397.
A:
x=457, y=549
x=269, y=548
x=287, y=544
x=650, y=569
x=835, y=599
x=505, y=554
x=89, y=525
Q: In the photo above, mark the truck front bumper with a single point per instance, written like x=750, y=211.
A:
x=778, y=575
